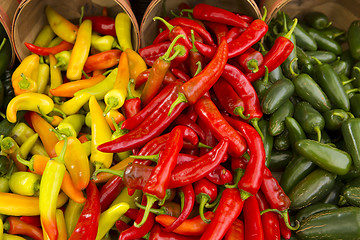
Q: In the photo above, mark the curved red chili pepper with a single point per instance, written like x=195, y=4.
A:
x=102, y=60
x=45, y=51
x=229, y=99
x=204, y=49
x=210, y=13
x=229, y=209
x=220, y=176
x=157, y=233
x=138, y=232
x=149, y=128
x=246, y=92
x=253, y=34
x=142, y=78
x=109, y=191
x=251, y=181
x=87, y=225
x=121, y=225
x=236, y=231
x=219, y=29
x=184, y=120
x=188, y=196
x=192, y=24
x=219, y=127
x=131, y=107
x=132, y=213
x=250, y=60
x=246, y=18
x=209, y=139
x=285, y=232
x=278, y=53
x=191, y=114
x=14, y=225
x=154, y=51
x=273, y=192
x=205, y=192
x=102, y=24
x=180, y=74
x=270, y=220
x=233, y=33
x=33, y=220
x=252, y=219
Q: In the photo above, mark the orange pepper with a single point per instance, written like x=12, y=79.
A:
x=24, y=84
x=104, y=177
x=116, y=115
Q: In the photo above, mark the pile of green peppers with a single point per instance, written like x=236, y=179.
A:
x=312, y=136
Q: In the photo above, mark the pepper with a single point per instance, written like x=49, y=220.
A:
x=229, y=209
x=211, y=116
x=103, y=43
x=157, y=73
x=50, y=184
x=14, y=225
x=158, y=233
x=63, y=59
x=37, y=165
x=61, y=26
x=71, y=125
x=246, y=92
x=349, y=131
x=33, y=220
x=71, y=214
x=132, y=104
x=104, y=25
x=24, y=84
x=277, y=119
x=118, y=118
x=73, y=105
x=24, y=183
x=44, y=37
x=205, y=192
x=100, y=133
x=18, y=205
x=87, y=225
x=43, y=76
x=252, y=219
x=109, y=191
x=109, y=217
x=45, y=51
x=269, y=220
x=236, y=231
x=324, y=42
x=353, y=33
x=251, y=181
x=123, y=30
x=115, y=98
x=102, y=60
x=41, y=126
x=28, y=66
x=11, y=149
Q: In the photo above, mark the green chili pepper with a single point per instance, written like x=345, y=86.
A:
x=354, y=105
x=268, y=140
x=322, y=56
x=353, y=39
x=24, y=183
x=350, y=193
x=313, y=209
x=346, y=56
x=335, y=118
x=355, y=73
x=282, y=141
x=279, y=160
x=262, y=85
x=339, y=66
x=325, y=138
x=277, y=119
x=305, y=64
x=325, y=43
x=311, y=189
x=350, y=130
x=71, y=125
x=325, y=156
x=276, y=74
x=317, y=20
x=334, y=195
x=295, y=131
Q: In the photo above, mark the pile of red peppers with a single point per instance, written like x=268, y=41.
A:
x=196, y=133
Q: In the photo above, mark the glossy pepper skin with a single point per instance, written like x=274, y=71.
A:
x=350, y=132
x=16, y=226
x=252, y=219
x=102, y=24
x=44, y=51
x=229, y=209
x=87, y=225
x=205, y=192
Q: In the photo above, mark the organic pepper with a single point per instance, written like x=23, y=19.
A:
x=205, y=192
x=102, y=60
x=45, y=51
x=123, y=30
x=13, y=225
x=102, y=24
x=252, y=219
x=24, y=84
x=24, y=183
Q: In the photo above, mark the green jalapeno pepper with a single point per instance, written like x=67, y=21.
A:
x=279, y=160
x=277, y=119
x=317, y=20
x=335, y=118
x=322, y=56
x=350, y=130
x=353, y=39
x=324, y=42
x=313, y=209
x=282, y=141
x=295, y=131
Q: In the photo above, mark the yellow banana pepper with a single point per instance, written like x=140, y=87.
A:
x=136, y=63
x=123, y=30
x=74, y=104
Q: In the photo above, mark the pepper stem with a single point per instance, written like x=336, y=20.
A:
x=180, y=99
x=348, y=81
x=203, y=200
x=119, y=173
x=288, y=35
x=354, y=90
x=2, y=43
x=86, y=76
x=159, y=211
x=187, y=11
x=81, y=14
x=193, y=49
x=341, y=116
x=285, y=216
x=28, y=163
x=318, y=133
x=292, y=72
x=255, y=123
x=238, y=174
x=110, y=104
x=24, y=83
x=150, y=201
x=167, y=24
x=317, y=60
x=217, y=199
x=166, y=56
x=253, y=65
x=199, y=68
x=350, y=115
x=61, y=156
x=129, y=92
x=153, y=158
x=203, y=145
x=240, y=111
x=244, y=194
x=264, y=14
x=266, y=75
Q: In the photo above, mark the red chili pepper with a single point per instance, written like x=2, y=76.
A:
x=121, y=225
x=149, y=128
x=285, y=232
x=142, y=78
x=157, y=73
x=14, y=225
x=253, y=34
x=164, y=35
x=219, y=29
x=197, y=86
x=252, y=219
x=155, y=188
x=219, y=127
x=209, y=139
x=157, y=233
x=87, y=225
x=190, y=227
x=273, y=192
x=138, y=232
x=45, y=51
x=102, y=24
x=233, y=33
x=270, y=220
x=229, y=209
x=109, y=191
x=210, y=13
x=132, y=105
x=246, y=92
x=187, y=196
x=161, y=26
x=245, y=17
x=191, y=113
x=152, y=52
x=132, y=213
x=236, y=231
x=278, y=53
x=251, y=181
x=102, y=60
x=180, y=74
x=184, y=120
x=229, y=99
x=205, y=192
x=204, y=49
x=195, y=58
x=192, y=24
x=220, y=176
x=250, y=60
x=33, y=220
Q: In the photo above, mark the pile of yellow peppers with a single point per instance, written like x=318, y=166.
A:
x=72, y=103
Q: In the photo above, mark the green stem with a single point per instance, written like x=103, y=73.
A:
x=2, y=43
x=285, y=216
x=166, y=56
x=253, y=65
x=255, y=123
x=237, y=176
x=352, y=90
x=217, y=199
x=264, y=14
x=193, y=49
x=318, y=132
x=203, y=145
x=317, y=60
x=203, y=201
x=153, y=158
x=348, y=81
x=107, y=170
x=81, y=14
x=288, y=35
x=149, y=203
x=292, y=72
x=240, y=111
x=61, y=156
x=199, y=68
x=244, y=194
x=180, y=99
x=83, y=72
x=129, y=92
x=29, y=164
x=159, y=211
x=167, y=24
x=24, y=83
